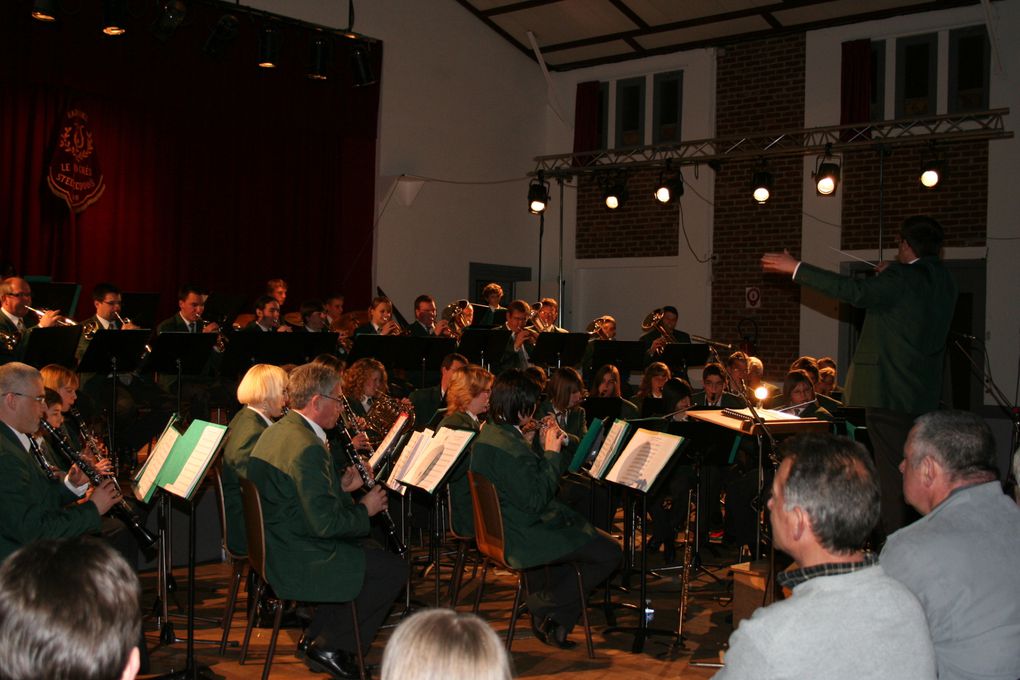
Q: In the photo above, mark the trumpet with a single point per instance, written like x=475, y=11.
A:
x=595, y=328
x=535, y=322
x=458, y=317
x=61, y=320
x=221, y=339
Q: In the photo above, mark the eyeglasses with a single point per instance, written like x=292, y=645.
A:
x=18, y=295
x=336, y=399
x=112, y=303
x=41, y=399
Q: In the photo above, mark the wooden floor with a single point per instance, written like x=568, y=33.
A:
x=706, y=630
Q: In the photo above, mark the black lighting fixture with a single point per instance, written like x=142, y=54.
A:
x=614, y=190
x=222, y=36
x=762, y=183
x=45, y=10
x=538, y=195
x=318, y=59
x=826, y=173
x=269, y=47
x=670, y=187
x=933, y=168
x=114, y=17
x=169, y=16
x=362, y=73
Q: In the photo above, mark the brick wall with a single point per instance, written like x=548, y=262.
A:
x=759, y=87
x=960, y=203
x=641, y=227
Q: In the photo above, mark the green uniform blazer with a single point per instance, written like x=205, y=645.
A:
x=728, y=400
x=245, y=429
x=898, y=362
x=461, y=510
x=312, y=525
x=539, y=529
x=33, y=506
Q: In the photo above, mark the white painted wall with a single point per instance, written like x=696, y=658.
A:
x=819, y=323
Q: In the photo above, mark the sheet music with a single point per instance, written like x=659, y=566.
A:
x=198, y=462
x=385, y=444
x=766, y=414
x=642, y=460
x=147, y=479
x=440, y=459
x=428, y=451
x=609, y=446
x=406, y=460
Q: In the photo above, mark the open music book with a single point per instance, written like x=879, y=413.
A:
x=178, y=462
x=611, y=446
x=390, y=441
x=644, y=457
x=428, y=458
x=765, y=414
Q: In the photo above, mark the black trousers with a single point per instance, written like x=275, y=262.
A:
x=332, y=627
x=888, y=431
x=553, y=589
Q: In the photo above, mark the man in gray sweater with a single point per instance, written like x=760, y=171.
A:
x=846, y=619
x=962, y=558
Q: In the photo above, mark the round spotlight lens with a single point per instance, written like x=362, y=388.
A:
x=761, y=194
x=826, y=185
x=662, y=195
x=930, y=178
x=114, y=30
x=761, y=393
x=612, y=202
x=537, y=206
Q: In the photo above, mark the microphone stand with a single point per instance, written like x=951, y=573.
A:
x=770, y=581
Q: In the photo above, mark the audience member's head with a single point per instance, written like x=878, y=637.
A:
x=440, y=644
x=69, y=609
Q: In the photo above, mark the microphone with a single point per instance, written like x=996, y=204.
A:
x=965, y=336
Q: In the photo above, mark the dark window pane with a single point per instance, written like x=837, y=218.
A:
x=916, y=69
x=971, y=62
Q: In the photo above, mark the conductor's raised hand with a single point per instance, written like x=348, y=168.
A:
x=779, y=263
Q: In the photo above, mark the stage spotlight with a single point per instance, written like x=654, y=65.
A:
x=362, y=73
x=615, y=193
x=761, y=184
x=222, y=36
x=318, y=60
x=826, y=173
x=932, y=168
x=269, y=47
x=538, y=195
x=114, y=17
x=44, y=10
x=168, y=19
x=670, y=187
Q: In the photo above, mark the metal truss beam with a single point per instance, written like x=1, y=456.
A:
x=806, y=142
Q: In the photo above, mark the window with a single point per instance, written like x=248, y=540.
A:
x=667, y=106
x=969, y=56
x=630, y=112
x=604, y=115
x=877, y=80
x=916, y=84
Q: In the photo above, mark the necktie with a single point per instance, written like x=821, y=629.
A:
x=192, y=326
x=114, y=326
x=21, y=326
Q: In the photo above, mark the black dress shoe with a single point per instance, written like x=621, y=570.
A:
x=554, y=635
x=537, y=629
x=339, y=664
x=302, y=647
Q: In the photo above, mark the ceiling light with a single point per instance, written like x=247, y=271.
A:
x=269, y=47
x=114, y=17
x=362, y=72
x=44, y=10
x=318, y=60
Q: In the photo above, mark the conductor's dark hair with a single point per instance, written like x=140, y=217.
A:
x=101, y=290
x=68, y=609
x=514, y=395
x=923, y=234
x=834, y=481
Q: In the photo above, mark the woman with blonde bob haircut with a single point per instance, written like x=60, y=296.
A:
x=467, y=397
x=263, y=392
x=440, y=644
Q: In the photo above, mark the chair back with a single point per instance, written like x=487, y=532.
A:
x=218, y=478
x=255, y=527
x=488, y=518
x=449, y=516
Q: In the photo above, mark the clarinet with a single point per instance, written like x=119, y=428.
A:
x=121, y=510
x=37, y=453
x=89, y=439
x=392, y=535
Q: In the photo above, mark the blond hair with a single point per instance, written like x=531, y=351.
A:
x=56, y=377
x=466, y=383
x=261, y=383
x=440, y=644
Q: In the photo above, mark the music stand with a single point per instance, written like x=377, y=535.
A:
x=181, y=354
x=626, y=355
x=678, y=356
x=140, y=307
x=559, y=349
x=62, y=297
x=244, y=349
x=223, y=309
x=484, y=347
x=52, y=345
x=482, y=320
x=113, y=352
x=423, y=354
x=606, y=408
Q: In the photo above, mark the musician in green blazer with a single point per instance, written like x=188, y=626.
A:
x=897, y=368
x=539, y=529
x=32, y=506
x=428, y=400
x=565, y=390
x=467, y=397
x=314, y=528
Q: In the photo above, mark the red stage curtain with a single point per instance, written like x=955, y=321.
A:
x=855, y=100
x=586, y=119
x=216, y=171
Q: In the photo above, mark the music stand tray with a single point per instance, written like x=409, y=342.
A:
x=626, y=355
x=140, y=308
x=53, y=345
x=678, y=356
x=559, y=349
x=482, y=346
x=109, y=350
x=186, y=353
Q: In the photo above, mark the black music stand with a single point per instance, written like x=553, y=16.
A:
x=244, y=349
x=112, y=353
x=607, y=408
x=484, y=347
x=678, y=356
x=52, y=345
x=140, y=307
x=559, y=349
x=181, y=354
x=481, y=320
x=626, y=355
x=62, y=297
x=422, y=354
x=223, y=309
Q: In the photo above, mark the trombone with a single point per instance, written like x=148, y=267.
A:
x=654, y=322
x=61, y=320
